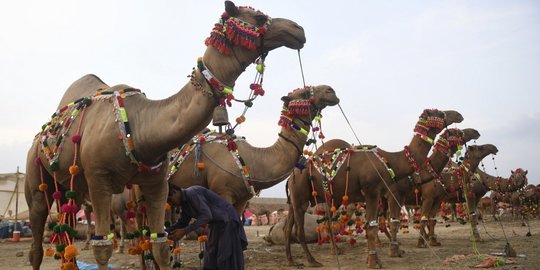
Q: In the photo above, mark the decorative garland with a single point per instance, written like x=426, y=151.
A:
x=232, y=31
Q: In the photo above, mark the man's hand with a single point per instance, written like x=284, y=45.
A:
x=177, y=234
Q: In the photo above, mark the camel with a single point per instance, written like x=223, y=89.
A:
x=448, y=143
x=369, y=171
x=238, y=177
x=450, y=182
x=106, y=151
x=503, y=189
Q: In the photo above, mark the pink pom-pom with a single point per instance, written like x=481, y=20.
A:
x=57, y=195
x=74, y=209
x=37, y=161
x=76, y=138
x=130, y=215
x=157, y=170
x=66, y=208
x=142, y=209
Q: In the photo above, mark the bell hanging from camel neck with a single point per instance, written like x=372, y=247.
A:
x=220, y=117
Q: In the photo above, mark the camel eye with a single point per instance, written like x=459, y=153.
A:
x=261, y=19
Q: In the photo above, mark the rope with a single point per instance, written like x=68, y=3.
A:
x=301, y=68
x=349, y=123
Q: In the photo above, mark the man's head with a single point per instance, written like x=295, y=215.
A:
x=175, y=195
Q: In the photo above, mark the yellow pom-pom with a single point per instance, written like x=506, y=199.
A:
x=73, y=170
x=199, y=59
x=167, y=206
x=177, y=251
x=336, y=226
x=131, y=205
x=59, y=216
x=43, y=187
x=345, y=198
x=49, y=252
x=70, y=252
x=200, y=165
x=333, y=209
x=314, y=193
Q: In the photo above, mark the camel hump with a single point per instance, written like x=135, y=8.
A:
x=86, y=86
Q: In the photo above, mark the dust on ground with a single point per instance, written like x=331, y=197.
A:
x=260, y=255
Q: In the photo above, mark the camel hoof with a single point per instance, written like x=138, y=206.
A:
x=373, y=262
x=434, y=243
x=119, y=251
x=396, y=252
x=315, y=264
x=421, y=243
x=294, y=264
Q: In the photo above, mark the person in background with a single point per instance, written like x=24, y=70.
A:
x=226, y=240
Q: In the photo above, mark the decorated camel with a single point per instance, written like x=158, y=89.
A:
x=236, y=170
x=480, y=184
x=103, y=151
x=448, y=143
x=369, y=171
x=503, y=190
x=452, y=180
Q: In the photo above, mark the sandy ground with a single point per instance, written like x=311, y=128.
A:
x=260, y=255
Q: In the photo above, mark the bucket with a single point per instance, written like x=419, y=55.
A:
x=16, y=236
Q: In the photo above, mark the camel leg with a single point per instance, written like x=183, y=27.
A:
x=88, y=213
x=155, y=209
x=427, y=205
x=394, y=211
x=101, y=204
x=299, y=219
x=432, y=221
x=372, y=230
x=287, y=229
x=123, y=231
x=38, y=214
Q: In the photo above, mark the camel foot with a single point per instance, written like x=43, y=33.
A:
x=477, y=238
x=433, y=242
x=314, y=263
x=421, y=243
x=119, y=251
x=373, y=261
x=294, y=264
x=395, y=251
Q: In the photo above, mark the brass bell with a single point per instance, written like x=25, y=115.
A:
x=220, y=117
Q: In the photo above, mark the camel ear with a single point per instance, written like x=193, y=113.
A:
x=286, y=99
x=231, y=8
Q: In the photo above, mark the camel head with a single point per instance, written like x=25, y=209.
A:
x=478, y=152
x=518, y=178
x=247, y=33
x=470, y=134
x=433, y=121
x=308, y=101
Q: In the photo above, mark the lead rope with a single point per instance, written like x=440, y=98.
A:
x=325, y=181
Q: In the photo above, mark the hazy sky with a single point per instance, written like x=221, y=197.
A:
x=387, y=61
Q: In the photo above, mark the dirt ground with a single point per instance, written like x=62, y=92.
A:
x=260, y=255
